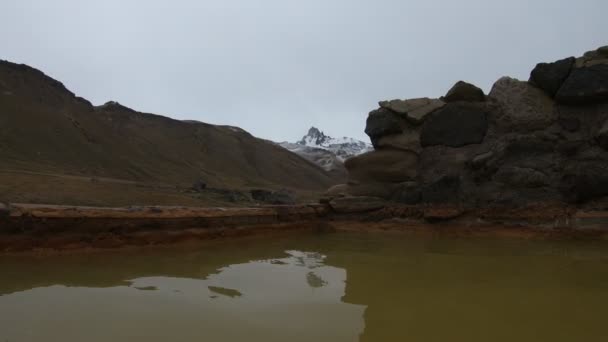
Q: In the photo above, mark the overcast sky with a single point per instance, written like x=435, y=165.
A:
x=276, y=67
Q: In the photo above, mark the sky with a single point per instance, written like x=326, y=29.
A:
x=277, y=67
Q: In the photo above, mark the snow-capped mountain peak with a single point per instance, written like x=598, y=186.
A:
x=327, y=152
x=343, y=148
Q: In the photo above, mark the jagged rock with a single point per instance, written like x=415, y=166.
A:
x=382, y=122
x=407, y=193
x=273, y=197
x=463, y=91
x=414, y=110
x=550, y=76
x=356, y=204
x=524, y=107
x=455, y=125
x=390, y=166
x=408, y=140
x=588, y=84
x=445, y=190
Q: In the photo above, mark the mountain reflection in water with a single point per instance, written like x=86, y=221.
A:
x=330, y=287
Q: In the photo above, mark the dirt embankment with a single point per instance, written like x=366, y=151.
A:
x=26, y=227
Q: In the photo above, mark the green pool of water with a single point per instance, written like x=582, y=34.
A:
x=317, y=287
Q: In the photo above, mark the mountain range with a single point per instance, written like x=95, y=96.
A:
x=56, y=147
x=327, y=152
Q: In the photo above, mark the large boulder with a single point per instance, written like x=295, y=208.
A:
x=356, y=204
x=455, y=125
x=382, y=122
x=383, y=166
x=550, y=76
x=414, y=110
x=523, y=107
x=463, y=91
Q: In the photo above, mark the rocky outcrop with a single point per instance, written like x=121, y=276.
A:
x=541, y=141
x=463, y=91
x=550, y=76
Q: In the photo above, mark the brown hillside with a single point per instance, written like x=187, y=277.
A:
x=46, y=129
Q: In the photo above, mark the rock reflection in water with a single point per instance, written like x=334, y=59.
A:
x=264, y=300
x=332, y=287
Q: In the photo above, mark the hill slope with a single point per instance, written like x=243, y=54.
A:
x=45, y=128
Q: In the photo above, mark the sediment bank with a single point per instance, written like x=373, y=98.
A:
x=26, y=227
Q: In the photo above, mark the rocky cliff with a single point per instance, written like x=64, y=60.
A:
x=544, y=140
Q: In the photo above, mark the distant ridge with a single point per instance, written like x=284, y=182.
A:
x=46, y=128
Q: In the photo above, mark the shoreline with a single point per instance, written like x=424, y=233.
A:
x=31, y=227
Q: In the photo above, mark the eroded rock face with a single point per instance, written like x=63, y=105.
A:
x=384, y=166
x=408, y=140
x=455, y=125
x=463, y=91
x=542, y=141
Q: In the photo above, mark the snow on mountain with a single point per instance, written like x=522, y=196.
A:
x=327, y=152
x=343, y=148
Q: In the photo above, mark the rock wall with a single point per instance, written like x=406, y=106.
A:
x=544, y=140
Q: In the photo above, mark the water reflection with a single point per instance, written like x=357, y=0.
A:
x=336, y=287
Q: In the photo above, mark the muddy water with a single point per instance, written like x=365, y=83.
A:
x=330, y=287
